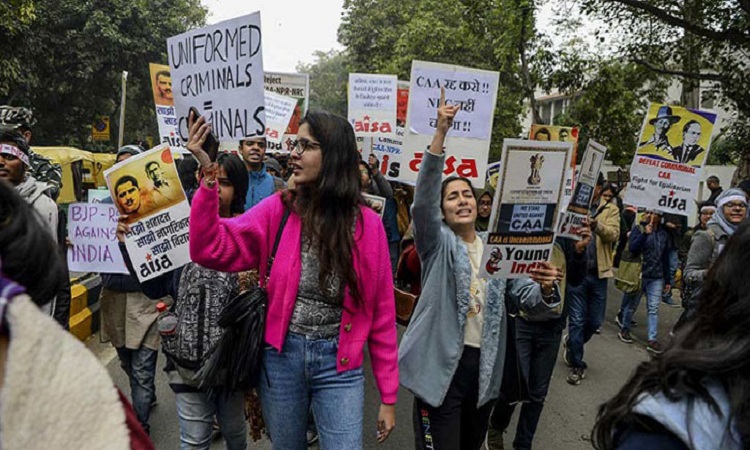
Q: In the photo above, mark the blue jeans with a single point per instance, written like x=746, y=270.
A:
x=196, y=411
x=653, y=288
x=305, y=374
x=140, y=365
x=588, y=302
x=537, y=345
x=673, y=264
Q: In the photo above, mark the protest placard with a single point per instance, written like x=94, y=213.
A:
x=475, y=90
x=376, y=203
x=279, y=110
x=672, y=150
x=526, y=206
x=372, y=104
x=219, y=70
x=390, y=150
x=468, y=142
x=562, y=134
x=295, y=85
x=147, y=189
x=580, y=203
x=493, y=173
x=166, y=120
x=92, y=232
x=97, y=195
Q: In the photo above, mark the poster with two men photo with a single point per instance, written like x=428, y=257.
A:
x=672, y=150
x=147, y=189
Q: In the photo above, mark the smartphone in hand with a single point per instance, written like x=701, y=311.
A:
x=211, y=145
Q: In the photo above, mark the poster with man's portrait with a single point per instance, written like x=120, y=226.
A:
x=161, y=84
x=147, y=189
x=676, y=134
x=672, y=150
x=145, y=184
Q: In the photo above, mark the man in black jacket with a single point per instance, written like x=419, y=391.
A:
x=536, y=347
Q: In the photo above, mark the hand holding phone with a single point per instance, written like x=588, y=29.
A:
x=200, y=135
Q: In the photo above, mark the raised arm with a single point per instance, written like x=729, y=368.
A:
x=425, y=211
x=227, y=245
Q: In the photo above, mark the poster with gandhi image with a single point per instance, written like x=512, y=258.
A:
x=147, y=189
x=672, y=150
x=526, y=207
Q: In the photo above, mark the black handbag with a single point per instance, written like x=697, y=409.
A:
x=236, y=359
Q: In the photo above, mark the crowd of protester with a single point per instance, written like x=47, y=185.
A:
x=473, y=349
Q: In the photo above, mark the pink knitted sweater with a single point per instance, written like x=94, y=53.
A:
x=244, y=242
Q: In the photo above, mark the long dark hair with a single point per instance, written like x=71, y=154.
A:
x=237, y=175
x=28, y=254
x=716, y=346
x=329, y=207
x=186, y=168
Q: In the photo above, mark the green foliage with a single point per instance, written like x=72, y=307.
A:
x=611, y=106
x=691, y=39
x=71, y=58
x=329, y=75
x=385, y=36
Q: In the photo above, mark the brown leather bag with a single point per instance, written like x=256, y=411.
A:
x=405, y=303
x=405, y=300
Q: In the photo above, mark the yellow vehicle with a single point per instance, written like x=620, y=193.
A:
x=82, y=170
x=103, y=161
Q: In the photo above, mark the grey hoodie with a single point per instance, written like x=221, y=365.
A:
x=700, y=428
x=33, y=192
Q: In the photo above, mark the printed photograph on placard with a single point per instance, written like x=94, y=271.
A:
x=375, y=203
x=161, y=84
x=676, y=134
x=553, y=133
x=145, y=184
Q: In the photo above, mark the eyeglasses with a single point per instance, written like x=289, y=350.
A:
x=302, y=145
x=736, y=205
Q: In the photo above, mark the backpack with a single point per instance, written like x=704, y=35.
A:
x=628, y=278
x=201, y=296
x=46, y=171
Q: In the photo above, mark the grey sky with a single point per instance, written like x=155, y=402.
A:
x=292, y=29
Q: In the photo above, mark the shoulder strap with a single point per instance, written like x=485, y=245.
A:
x=276, y=242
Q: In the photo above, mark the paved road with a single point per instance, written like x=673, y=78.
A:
x=565, y=424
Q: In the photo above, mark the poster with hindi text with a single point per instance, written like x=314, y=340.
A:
x=578, y=208
x=525, y=208
x=218, y=69
x=166, y=120
x=279, y=110
x=147, y=189
x=672, y=150
x=92, y=229
x=468, y=141
x=372, y=104
x=390, y=150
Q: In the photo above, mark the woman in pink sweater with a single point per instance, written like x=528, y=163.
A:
x=330, y=287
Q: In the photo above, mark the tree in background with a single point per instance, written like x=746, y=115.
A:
x=72, y=54
x=384, y=36
x=696, y=41
x=329, y=75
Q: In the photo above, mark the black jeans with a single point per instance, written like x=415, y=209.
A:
x=537, y=345
x=457, y=424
